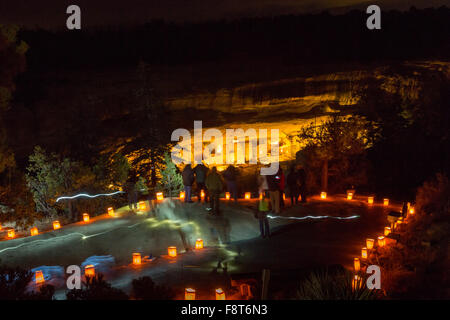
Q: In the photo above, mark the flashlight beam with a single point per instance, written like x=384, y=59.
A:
x=88, y=195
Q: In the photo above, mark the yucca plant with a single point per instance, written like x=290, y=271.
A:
x=326, y=285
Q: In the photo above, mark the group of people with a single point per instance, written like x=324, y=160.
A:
x=272, y=188
x=210, y=182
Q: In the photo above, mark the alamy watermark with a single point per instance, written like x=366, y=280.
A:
x=218, y=153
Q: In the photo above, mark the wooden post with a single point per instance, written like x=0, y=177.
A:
x=265, y=283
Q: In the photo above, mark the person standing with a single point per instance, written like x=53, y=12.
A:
x=274, y=192
x=262, y=185
x=132, y=192
x=230, y=175
x=215, y=186
x=201, y=172
x=293, y=185
x=302, y=182
x=261, y=215
x=188, y=180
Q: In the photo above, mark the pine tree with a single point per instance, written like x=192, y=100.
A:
x=171, y=181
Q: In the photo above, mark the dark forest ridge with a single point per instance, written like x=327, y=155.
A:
x=292, y=40
x=51, y=13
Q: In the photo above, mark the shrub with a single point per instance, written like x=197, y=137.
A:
x=96, y=288
x=326, y=285
x=144, y=288
x=14, y=282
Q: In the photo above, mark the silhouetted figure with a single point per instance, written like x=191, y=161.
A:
x=215, y=186
x=188, y=180
x=201, y=171
x=230, y=175
x=293, y=184
x=132, y=192
x=302, y=182
x=273, y=181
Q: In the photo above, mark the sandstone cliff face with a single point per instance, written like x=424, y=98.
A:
x=105, y=99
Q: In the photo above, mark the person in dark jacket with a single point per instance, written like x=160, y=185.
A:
x=132, y=192
x=293, y=185
x=273, y=182
x=230, y=175
x=188, y=181
x=201, y=172
x=302, y=182
x=215, y=187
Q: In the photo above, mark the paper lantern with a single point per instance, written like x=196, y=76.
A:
x=370, y=200
x=11, y=233
x=364, y=253
x=182, y=195
x=142, y=206
x=227, y=195
x=356, y=264
x=189, y=294
x=56, y=225
x=247, y=195
x=159, y=196
x=34, y=231
x=261, y=196
x=86, y=217
x=111, y=212
x=356, y=282
x=369, y=243
x=411, y=210
x=89, y=270
x=349, y=195
x=137, y=259
x=172, y=252
x=323, y=195
x=199, y=244
x=385, y=201
x=39, y=277
x=387, y=231
x=381, y=241
x=220, y=294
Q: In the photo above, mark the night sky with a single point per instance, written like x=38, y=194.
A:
x=51, y=13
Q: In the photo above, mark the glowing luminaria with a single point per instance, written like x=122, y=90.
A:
x=312, y=217
x=89, y=196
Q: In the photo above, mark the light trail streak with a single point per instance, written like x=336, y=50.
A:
x=154, y=224
x=88, y=195
x=313, y=217
x=41, y=240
